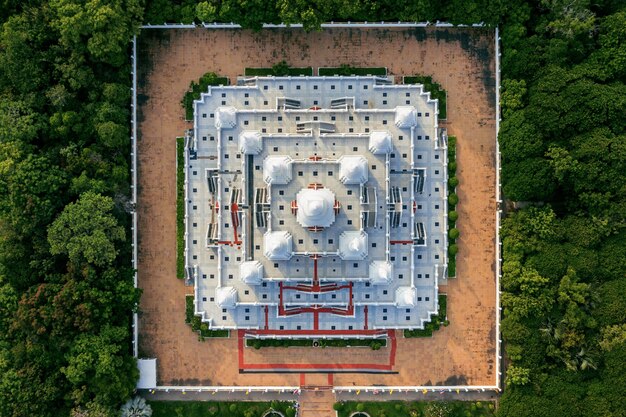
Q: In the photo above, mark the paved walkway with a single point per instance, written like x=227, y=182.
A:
x=317, y=403
x=460, y=59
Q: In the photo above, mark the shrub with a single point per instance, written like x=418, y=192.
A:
x=290, y=412
x=281, y=68
x=516, y=375
x=452, y=167
x=136, y=407
x=451, y=267
x=435, y=92
x=453, y=199
x=453, y=216
x=453, y=182
x=453, y=233
x=453, y=249
x=196, y=89
x=232, y=408
x=360, y=407
x=337, y=406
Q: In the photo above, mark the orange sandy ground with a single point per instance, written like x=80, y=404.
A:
x=461, y=60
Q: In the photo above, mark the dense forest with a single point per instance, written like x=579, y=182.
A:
x=66, y=291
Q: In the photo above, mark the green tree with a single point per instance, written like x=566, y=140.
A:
x=97, y=369
x=102, y=27
x=249, y=13
x=517, y=376
x=86, y=231
x=30, y=191
x=611, y=55
x=527, y=293
x=512, y=97
x=206, y=12
x=528, y=180
x=613, y=336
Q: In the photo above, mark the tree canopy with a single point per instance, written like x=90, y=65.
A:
x=66, y=287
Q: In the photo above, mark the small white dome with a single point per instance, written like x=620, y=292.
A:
x=250, y=142
x=405, y=297
x=353, y=170
x=406, y=116
x=380, y=142
x=353, y=245
x=277, y=169
x=381, y=272
x=225, y=117
x=251, y=272
x=278, y=245
x=315, y=207
x=226, y=297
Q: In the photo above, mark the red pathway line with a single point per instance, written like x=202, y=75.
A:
x=322, y=332
x=302, y=380
x=331, y=379
x=362, y=366
x=240, y=346
x=365, y=311
x=392, y=354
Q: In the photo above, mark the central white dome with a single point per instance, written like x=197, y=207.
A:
x=315, y=207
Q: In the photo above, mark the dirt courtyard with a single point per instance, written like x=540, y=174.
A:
x=461, y=60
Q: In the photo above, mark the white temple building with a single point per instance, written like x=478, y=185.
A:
x=316, y=197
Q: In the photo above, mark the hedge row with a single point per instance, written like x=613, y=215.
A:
x=219, y=408
x=435, y=91
x=453, y=200
x=196, y=323
x=195, y=89
x=266, y=72
x=260, y=343
x=435, y=322
x=416, y=408
x=347, y=70
x=180, y=207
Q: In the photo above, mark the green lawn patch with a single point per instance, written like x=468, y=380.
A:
x=180, y=208
x=435, y=91
x=349, y=70
x=197, y=88
x=218, y=409
x=417, y=408
x=196, y=323
x=374, y=344
x=435, y=322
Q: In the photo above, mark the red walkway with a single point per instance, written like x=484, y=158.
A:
x=243, y=366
